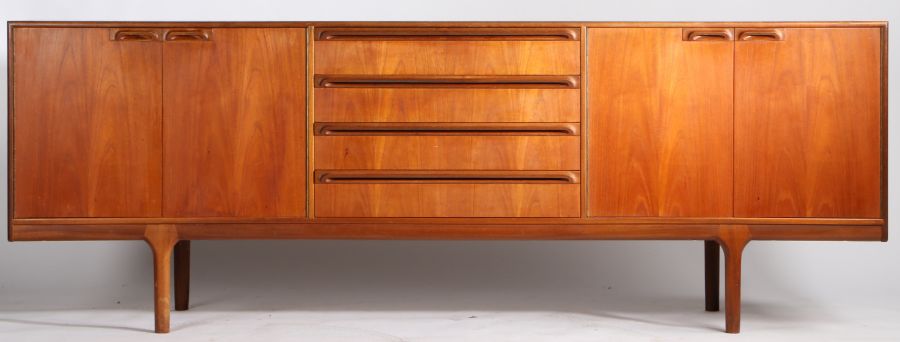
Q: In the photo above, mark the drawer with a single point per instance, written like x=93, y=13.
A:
x=447, y=146
x=446, y=105
x=448, y=51
x=446, y=194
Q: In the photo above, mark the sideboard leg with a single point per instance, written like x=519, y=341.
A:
x=711, y=251
x=182, y=274
x=162, y=240
x=733, y=240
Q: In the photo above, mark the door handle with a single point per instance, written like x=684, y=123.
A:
x=707, y=34
x=188, y=35
x=134, y=35
x=761, y=34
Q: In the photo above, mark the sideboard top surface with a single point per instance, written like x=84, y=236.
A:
x=225, y=24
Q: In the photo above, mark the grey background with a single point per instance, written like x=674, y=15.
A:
x=450, y=275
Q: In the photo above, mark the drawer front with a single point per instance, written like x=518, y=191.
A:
x=448, y=152
x=449, y=193
x=448, y=51
x=447, y=200
x=447, y=105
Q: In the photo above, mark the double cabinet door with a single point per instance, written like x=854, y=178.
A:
x=722, y=122
x=153, y=122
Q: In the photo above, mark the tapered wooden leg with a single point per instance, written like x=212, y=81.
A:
x=733, y=240
x=162, y=240
x=711, y=251
x=182, y=274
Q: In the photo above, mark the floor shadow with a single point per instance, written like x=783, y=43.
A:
x=71, y=325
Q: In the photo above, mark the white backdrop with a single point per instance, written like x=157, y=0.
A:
x=777, y=275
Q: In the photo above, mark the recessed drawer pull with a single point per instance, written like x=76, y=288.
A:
x=707, y=34
x=135, y=35
x=188, y=35
x=760, y=34
x=378, y=128
x=345, y=81
x=447, y=33
x=362, y=176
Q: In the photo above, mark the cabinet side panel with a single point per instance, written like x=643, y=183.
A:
x=87, y=124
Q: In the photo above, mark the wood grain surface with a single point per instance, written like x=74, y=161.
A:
x=446, y=105
x=235, y=124
x=807, y=124
x=448, y=152
x=87, y=124
x=660, y=113
x=447, y=200
x=448, y=57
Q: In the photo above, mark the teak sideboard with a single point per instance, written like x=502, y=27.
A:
x=176, y=131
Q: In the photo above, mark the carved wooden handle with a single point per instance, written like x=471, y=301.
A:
x=379, y=81
x=706, y=34
x=446, y=33
x=135, y=35
x=392, y=176
x=387, y=128
x=762, y=34
x=188, y=35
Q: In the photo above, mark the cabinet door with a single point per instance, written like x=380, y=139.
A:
x=234, y=126
x=86, y=123
x=807, y=130
x=660, y=122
